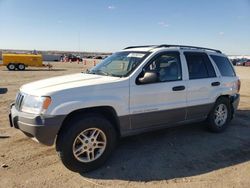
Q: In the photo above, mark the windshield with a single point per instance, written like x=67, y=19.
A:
x=119, y=64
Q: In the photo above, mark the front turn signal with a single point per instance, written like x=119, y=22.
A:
x=46, y=103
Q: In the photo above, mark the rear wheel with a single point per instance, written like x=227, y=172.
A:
x=21, y=66
x=220, y=115
x=11, y=66
x=86, y=143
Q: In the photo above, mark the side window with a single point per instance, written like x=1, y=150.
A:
x=167, y=66
x=199, y=66
x=223, y=65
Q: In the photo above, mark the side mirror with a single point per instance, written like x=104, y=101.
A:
x=148, y=77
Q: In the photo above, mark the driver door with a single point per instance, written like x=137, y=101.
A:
x=163, y=102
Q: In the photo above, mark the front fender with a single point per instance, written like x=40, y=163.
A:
x=63, y=108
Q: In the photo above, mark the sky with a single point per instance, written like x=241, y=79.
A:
x=111, y=25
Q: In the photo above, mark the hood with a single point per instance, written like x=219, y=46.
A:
x=51, y=85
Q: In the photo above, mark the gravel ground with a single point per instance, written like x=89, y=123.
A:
x=184, y=156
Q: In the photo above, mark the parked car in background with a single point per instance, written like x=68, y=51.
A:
x=247, y=63
x=241, y=62
x=234, y=61
x=89, y=57
x=74, y=58
x=98, y=57
x=71, y=57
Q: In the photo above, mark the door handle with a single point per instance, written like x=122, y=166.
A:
x=178, y=88
x=215, y=83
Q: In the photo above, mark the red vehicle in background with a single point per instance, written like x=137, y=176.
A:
x=247, y=63
x=242, y=62
x=71, y=58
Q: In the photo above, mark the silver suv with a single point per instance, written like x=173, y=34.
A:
x=138, y=89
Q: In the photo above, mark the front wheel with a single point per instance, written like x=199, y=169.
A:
x=86, y=143
x=220, y=115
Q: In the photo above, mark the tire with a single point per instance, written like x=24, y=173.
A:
x=11, y=66
x=220, y=115
x=77, y=134
x=21, y=66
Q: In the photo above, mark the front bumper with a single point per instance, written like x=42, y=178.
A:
x=43, y=128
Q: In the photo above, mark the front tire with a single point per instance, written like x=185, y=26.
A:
x=220, y=115
x=86, y=143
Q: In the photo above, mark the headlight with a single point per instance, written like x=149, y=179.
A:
x=35, y=105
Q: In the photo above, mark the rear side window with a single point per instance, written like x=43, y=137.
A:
x=223, y=65
x=199, y=66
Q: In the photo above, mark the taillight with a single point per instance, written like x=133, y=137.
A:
x=238, y=85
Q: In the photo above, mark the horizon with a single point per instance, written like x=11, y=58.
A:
x=90, y=52
x=98, y=26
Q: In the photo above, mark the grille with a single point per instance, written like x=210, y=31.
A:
x=19, y=100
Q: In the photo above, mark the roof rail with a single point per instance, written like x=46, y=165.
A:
x=145, y=46
x=183, y=46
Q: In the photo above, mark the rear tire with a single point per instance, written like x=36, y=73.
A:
x=21, y=66
x=11, y=66
x=86, y=142
x=220, y=115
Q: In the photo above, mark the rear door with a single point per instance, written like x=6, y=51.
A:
x=203, y=85
x=162, y=102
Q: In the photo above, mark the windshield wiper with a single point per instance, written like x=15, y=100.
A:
x=104, y=73
x=101, y=72
x=92, y=72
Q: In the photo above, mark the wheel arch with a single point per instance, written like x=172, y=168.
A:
x=223, y=96
x=107, y=112
x=229, y=98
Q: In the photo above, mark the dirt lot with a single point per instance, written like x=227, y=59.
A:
x=186, y=156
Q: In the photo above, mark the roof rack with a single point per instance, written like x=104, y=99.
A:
x=145, y=46
x=183, y=46
x=173, y=45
